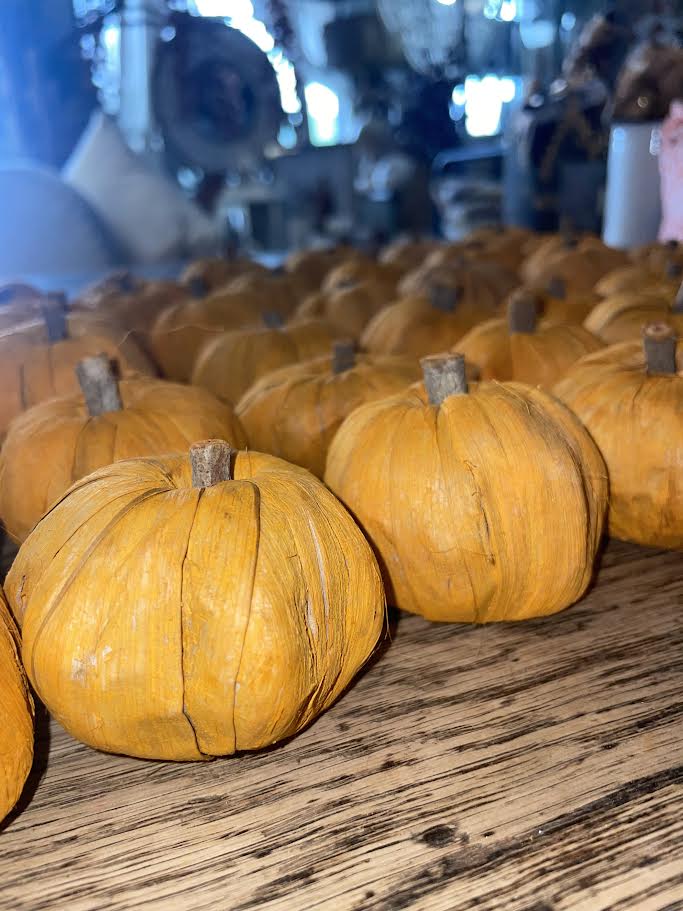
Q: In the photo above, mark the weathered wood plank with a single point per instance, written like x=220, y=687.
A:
x=522, y=767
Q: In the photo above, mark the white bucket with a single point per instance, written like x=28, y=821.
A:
x=632, y=200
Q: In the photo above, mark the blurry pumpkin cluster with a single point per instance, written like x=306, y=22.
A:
x=217, y=483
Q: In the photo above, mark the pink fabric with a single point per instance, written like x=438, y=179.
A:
x=671, y=170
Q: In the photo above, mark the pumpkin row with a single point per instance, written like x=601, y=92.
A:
x=198, y=604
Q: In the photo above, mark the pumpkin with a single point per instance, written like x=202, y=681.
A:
x=264, y=292
x=233, y=361
x=307, y=268
x=663, y=259
x=347, y=310
x=352, y=270
x=181, y=330
x=19, y=303
x=630, y=397
x=484, y=503
x=407, y=253
x=579, y=263
x=202, y=605
x=54, y=444
x=621, y=317
x=632, y=279
x=37, y=360
x=137, y=310
x=16, y=715
x=202, y=276
x=119, y=282
x=432, y=320
x=295, y=412
x=517, y=348
x=482, y=284
x=559, y=305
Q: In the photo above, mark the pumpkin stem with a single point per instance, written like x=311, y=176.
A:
x=444, y=298
x=678, y=301
x=98, y=384
x=659, y=343
x=557, y=287
x=522, y=313
x=54, y=314
x=444, y=376
x=197, y=287
x=673, y=269
x=211, y=463
x=343, y=356
x=272, y=319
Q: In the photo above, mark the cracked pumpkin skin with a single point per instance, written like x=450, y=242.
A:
x=194, y=622
x=487, y=507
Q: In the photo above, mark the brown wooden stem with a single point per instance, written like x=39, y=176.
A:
x=98, y=384
x=272, y=319
x=211, y=462
x=54, y=314
x=678, y=301
x=343, y=356
x=659, y=343
x=444, y=298
x=444, y=376
x=557, y=287
x=522, y=313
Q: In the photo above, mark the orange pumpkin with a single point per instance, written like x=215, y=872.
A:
x=229, y=364
x=37, y=360
x=484, y=503
x=630, y=397
x=202, y=276
x=408, y=253
x=295, y=411
x=347, y=310
x=56, y=443
x=579, y=263
x=201, y=606
x=307, y=268
x=436, y=318
x=16, y=715
x=621, y=317
x=517, y=348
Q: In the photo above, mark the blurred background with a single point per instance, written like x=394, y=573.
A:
x=150, y=131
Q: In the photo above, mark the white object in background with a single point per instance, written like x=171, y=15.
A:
x=632, y=206
x=146, y=212
x=671, y=169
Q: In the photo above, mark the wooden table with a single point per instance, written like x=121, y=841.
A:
x=534, y=766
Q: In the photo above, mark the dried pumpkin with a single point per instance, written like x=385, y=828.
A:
x=202, y=276
x=182, y=329
x=443, y=303
x=621, y=317
x=307, y=268
x=519, y=349
x=37, y=360
x=633, y=279
x=483, y=504
x=579, y=263
x=630, y=397
x=559, y=305
x=137, y=310
x=236, y=599
x=408, y=253
x=295, y=412
x=482, y=285
x=233, y=361
x=16, y=715
x=347, y=310
x=56, y=443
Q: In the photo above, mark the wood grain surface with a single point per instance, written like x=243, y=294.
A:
x=530, y=767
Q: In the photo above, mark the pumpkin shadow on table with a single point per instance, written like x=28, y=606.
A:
x=41, y=752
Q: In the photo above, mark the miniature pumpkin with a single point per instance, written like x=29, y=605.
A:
x=483, y=504
x=621, y=318
x=559, y=305
x=483, y=285
x=633, y=279
x=16, y=715
x=264, y=291
x=630, y=397
x=518, y=349
x=428, y=322
x=37, y=360
x=307, y=268
x=352, y=270
x=202, y=276
x=407, y=253
x=347, y=310
x=236, y=600
x=580, y=264
x=138, y=309
x=663, y=259
x=56, y=443
x=295, y=412
x=182, y=329
x=233, y=361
